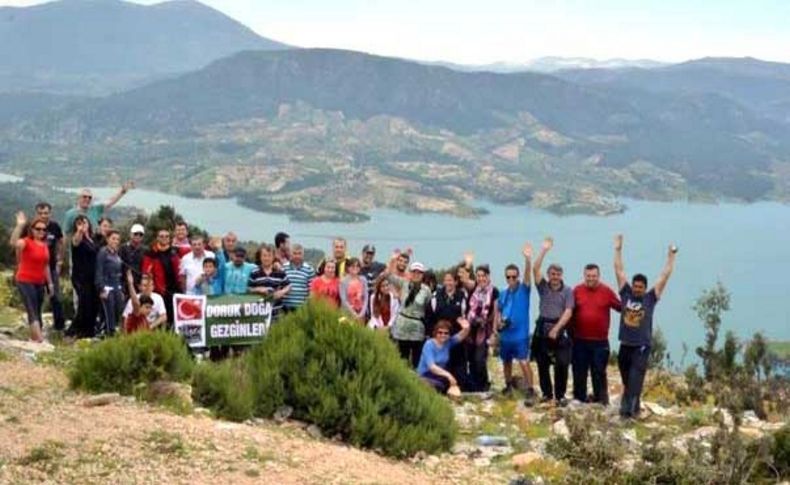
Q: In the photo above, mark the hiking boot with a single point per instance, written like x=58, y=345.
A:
x=562, y=402
x=508, y=390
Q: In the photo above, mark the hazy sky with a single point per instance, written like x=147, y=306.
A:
x=483, y=31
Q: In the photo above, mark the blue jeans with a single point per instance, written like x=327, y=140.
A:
x=590, y=357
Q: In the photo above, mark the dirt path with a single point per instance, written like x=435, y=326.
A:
x=48, y=435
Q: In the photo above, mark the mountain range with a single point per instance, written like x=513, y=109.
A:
x=329, y=134
x=94, y=47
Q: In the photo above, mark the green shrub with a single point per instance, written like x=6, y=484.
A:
x=780, y=451
x=594, y=446
x=347, y=380
x=225, y=388
x=119, y=363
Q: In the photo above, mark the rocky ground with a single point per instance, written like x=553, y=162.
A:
x=49, y=433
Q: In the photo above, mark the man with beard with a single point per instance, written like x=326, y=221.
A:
x=162, y=262
x=636, y=326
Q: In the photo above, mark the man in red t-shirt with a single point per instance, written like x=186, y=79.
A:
x=594, y=300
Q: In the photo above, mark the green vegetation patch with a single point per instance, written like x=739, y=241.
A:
x=348, y=381
x=119, y=363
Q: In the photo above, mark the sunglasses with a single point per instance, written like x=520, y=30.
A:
x=39, y=228
x=511, y=277
x=137, y=234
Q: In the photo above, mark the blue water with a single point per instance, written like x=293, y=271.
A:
x=746, y=247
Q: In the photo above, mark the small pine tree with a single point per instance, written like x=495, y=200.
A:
x=710, y=307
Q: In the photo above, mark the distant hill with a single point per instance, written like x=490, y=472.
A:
x=298, y=130
x=554, y=63
x=102, y=46
x=551, y=64
x=759, y=85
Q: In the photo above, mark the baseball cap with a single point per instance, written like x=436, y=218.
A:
x=137, y=228
x=416, y=266
x=369, y=248
x=239, y=251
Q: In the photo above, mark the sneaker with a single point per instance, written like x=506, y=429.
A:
x=508, y=390
x=562, y=402
x=529, y=401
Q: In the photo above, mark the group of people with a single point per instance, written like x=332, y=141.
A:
x=443, y=323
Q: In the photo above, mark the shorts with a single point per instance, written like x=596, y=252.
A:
x=515, y=350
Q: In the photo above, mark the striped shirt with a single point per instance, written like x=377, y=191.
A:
x=275, y=280
x=300, y=279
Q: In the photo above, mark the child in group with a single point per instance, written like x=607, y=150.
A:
x=142, y=306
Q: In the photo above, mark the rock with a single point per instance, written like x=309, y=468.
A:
x=102, y=399
x=627, y=464
x=702, y=432
x=524, y=459
x=432, y=461
x=314, y=432
x=160, y=391
x=629, y=436
x=680, y=442
x=482, y=462
x=227, y=426
x=27, y=346
x=725, y=416
x=750, y=418
x=283, y=413
x=464, y=449
x=539, y=445
x=655, y=408
x=771, y=427
x=202, y=412
x=754, y=433
x=561, y=428
x=494, y=451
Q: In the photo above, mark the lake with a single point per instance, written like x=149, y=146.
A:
x=743, y=246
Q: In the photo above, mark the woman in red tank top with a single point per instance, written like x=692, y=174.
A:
x=32, y=274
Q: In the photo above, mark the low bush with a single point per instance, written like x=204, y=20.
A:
x=224, y=387
x=119, y=363
x=347, y=380
x=593, y=448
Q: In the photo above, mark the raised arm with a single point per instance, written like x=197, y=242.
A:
x=132, y=293
x=80, y=233
x=661, y=281
x=126, y=187
x=16, y=240
x=527, y=252
x=619, y=269
x=548, y=243
x=467, y=279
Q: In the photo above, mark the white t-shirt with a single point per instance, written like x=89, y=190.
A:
x=158, y=310
x=192, y=268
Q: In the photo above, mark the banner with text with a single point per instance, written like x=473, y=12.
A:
x=222, y=320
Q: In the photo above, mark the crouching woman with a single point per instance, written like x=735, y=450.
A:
x=436, y=355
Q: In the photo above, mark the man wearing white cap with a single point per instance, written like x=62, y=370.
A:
x=93, y=212
x=131, y=254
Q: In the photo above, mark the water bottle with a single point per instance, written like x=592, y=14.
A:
x=489, y=440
